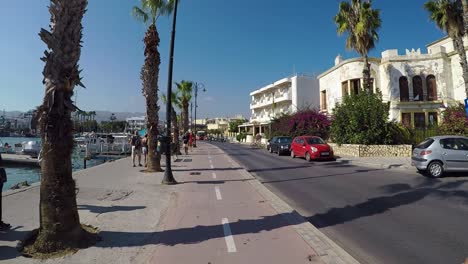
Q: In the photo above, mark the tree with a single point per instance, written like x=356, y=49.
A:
x=175, y=123
x=185, y=95
x=60, y=227
x=448, y=15
x=234, y=125
x=361, y=22
x=362, y=119
x=465, y=15
x=149, y=11
x=454, y=121
x=304, y=122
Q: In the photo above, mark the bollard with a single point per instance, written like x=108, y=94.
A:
x=84, y=162
x=3, y=179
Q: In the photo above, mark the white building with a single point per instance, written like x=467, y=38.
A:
x=135, y=123
x=418, y=86
x=283, y=96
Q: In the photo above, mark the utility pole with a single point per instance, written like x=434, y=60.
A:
x=168, y=176
x=197, y=86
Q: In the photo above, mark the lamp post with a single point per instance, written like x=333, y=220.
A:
x=168, y=177
x=191, y=117
x=197, y=86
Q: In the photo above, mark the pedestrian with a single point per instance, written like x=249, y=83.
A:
x=144, y=148
x=3, y=179
x=135, y=141
x=185, y=138
x=190, y=140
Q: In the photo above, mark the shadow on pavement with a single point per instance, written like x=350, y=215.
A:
x=401, y=194
x=196, y=234
x=280, y=168
x=322, y=176
x=108, y=209
x=9, y=252
x=216, y=182
x=209, y=169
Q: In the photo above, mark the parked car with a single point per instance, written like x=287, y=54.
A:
x=311, y=148
x=437, y=155
x=280, y=145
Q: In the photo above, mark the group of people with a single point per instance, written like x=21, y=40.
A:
x=140, y=146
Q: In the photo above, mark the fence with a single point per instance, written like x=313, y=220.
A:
x=419, y=134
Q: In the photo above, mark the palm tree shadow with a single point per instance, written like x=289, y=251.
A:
x=401, y=194
x=108, y=209
x=196, y=234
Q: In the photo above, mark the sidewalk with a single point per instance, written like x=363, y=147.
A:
x=217, y=214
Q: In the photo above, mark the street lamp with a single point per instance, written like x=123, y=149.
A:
x=197, y=86
x=168, y=177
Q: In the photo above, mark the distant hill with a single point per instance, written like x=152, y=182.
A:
x=100, y=115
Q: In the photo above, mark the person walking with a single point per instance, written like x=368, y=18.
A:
x=135, y=141
x=190, y=140
x=144, y=148
x=185, y=138
x=3, y=179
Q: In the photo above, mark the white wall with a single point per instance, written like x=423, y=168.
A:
x=307, y=93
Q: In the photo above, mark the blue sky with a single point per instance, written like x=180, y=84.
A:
x=233, y=47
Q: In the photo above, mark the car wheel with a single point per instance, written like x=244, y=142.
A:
x=435, y=169
x=292, y=154
x=307, y=156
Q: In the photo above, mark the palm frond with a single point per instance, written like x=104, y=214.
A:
x=140, y=14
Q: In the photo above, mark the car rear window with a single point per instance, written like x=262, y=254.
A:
x=425, y=144
x=315, y=140
x=284, y=140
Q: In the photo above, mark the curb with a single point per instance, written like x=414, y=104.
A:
x=328, y=251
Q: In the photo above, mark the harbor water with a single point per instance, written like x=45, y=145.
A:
x=16, y=174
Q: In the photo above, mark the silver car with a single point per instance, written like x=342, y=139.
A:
x=439, y=154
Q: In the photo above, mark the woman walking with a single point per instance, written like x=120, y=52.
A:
x=144, y=148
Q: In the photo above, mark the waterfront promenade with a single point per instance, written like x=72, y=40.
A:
x=218, y=213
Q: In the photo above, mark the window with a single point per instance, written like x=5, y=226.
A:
x=454, y=143
x=355, y=86
x=323, y=105
x=425, y=144
x=404, y=91
x=344, y=89
x=432, y=118
x=417, y=89
x=406, y=119
x=431, y=88
x=419, y=120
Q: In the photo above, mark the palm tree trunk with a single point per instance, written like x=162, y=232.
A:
x=149, y=76
x=366, y=74
x=175, y=130
x=59, y=220
x=185, y=107
x=465, y=15
x=459, y=46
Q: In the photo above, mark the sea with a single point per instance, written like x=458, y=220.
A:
x=16, y=174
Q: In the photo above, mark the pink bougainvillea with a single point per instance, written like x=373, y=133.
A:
x=306, y=122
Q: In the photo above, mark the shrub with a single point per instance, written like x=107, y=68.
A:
x=363, y=119
x=304, y=122
x=454, y=121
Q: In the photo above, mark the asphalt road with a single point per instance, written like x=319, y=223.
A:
x=378, y=216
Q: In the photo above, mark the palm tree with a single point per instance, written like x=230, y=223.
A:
x=149, y=11
x=465, y=15
x=185, y=90
x=361, y=22
x=60, y=227
x=448, y=15
x=175, y=125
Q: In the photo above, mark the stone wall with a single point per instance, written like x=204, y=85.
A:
x=372, y=150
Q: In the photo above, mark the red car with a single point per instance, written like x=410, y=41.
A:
x=311, y=148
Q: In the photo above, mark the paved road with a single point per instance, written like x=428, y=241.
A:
x=378, y=216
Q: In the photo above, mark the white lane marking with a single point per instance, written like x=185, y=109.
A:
x=214, y=175
x=231, y=246
x=211, y=162
x=218, y=193
x=212, y=166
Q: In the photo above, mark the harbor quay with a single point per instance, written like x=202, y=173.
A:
x=217, y=213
